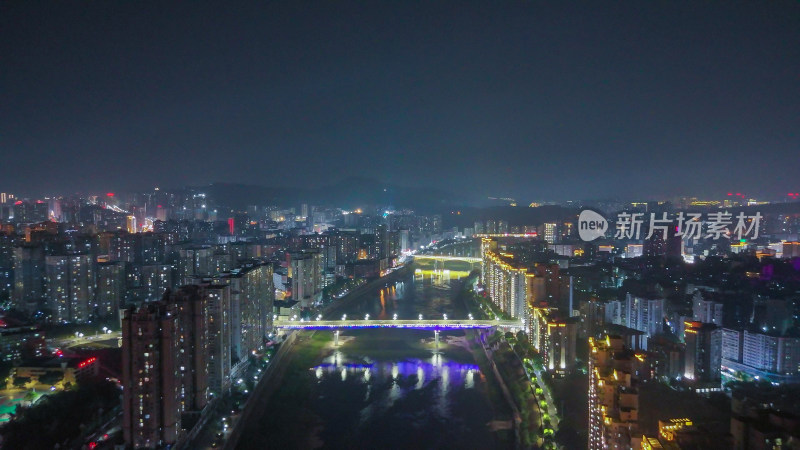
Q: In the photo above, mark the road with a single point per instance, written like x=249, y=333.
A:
x=98, y=339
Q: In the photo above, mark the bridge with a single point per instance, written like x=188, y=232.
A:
x=442, y=268
x=469, y=259
x=406, y=324
x=422, y=324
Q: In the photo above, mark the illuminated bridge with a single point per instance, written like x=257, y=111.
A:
x=469, y=259
x=423, y=324
x=440, y=269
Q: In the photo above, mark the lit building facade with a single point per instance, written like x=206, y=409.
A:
x=703, y=352
x=506, y=284
x=252, y=298
x=613, y=396
x=155, y=279
x=554, y=338
x=306, y=277
x=776, y=358
x=550, y=232
x=706, y=311
x=70, y=287
x=151, y=398
x=644, y=314
x=191, y=306
x=29, y=276
x=218, y=322
x=110, y=290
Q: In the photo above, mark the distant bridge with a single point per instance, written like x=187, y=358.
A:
x=442, y=268
x=469, y=259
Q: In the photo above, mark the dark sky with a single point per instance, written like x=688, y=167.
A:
x=536, y=100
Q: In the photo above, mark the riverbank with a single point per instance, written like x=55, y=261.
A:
x=283, y=396
x=381, y=388
x=355, y=295
x=274, y=377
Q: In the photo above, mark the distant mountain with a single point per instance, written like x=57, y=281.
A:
x=514, y=215
x=348, y=193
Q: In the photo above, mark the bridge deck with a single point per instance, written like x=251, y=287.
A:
x=449, y=258
x=409, y=324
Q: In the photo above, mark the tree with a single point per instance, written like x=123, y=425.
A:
x=21, y=381
x=51, y=377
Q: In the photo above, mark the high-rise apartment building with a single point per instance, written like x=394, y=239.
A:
x=550, y=232
x=29, y=277
x=110, y=292
x=554, y=338
x=70, y=287
x=194, y=261
x=252, y=298
x=613, y=396
x=706, y=311
x=218, y=323
x=191, y=306
x=306, y=277
x=506, y=284
x=644, y=314
x=155, y=279
x=703, y=352
x=767, y=356
x=151, y=354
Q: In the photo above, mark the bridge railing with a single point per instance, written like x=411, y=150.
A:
x=417, y=324
x=471, y=259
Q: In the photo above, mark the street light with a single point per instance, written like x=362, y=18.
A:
x=420, y=317
x=470, y=317
x=445, y=316
x=344, y=316
x=394, y=317
x=366, y=317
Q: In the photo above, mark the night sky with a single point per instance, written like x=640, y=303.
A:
x=534, y=100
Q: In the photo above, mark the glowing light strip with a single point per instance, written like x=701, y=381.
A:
x=406, y=324
x=448, y=258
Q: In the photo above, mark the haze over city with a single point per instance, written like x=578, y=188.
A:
x=536, y=100
x=414, y=224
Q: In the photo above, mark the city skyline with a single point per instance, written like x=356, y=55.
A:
x=550, y=102
x=417, y=224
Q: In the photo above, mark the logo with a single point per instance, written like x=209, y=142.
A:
x=591, y=225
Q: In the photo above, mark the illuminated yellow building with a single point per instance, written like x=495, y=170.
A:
x=667, y=428
x=554, y=338
x=505, y=283
x=613, y=396
x=131, y=224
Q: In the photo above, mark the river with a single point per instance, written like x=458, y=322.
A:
x=386, y=388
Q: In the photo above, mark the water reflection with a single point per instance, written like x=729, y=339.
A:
x=410, y=394
x=437, y=368
x=370, y=392
x=408, y=299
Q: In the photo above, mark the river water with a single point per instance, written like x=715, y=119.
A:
x=384, y=388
